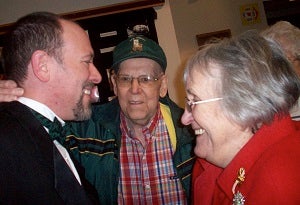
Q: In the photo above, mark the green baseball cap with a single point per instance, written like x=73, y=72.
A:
x=138, y=47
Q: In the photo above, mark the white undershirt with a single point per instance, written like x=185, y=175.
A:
x=45, y=111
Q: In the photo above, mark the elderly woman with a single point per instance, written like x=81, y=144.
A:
x=239, y=92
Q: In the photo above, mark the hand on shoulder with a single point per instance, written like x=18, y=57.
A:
x=9, y=91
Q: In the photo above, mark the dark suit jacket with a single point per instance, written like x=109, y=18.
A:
x=26, y=156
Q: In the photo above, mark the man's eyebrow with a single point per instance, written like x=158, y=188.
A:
x=90, y=55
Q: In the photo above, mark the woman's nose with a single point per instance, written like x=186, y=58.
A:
x=187, y=117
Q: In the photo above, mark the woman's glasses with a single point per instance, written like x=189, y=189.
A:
x=191, y=104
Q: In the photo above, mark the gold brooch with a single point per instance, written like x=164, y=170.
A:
x=238, y=198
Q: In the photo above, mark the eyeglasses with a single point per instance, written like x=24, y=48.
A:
x=143, y=80
x=190, y=104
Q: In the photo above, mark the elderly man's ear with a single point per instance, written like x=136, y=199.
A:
x=39, y=62
x=164, y=86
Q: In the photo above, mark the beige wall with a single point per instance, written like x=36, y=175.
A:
x=178, y=23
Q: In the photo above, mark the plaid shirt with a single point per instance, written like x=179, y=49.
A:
x=147, y=174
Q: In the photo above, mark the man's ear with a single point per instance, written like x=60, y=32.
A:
x=39, y=63
x=164, y=86
x=113, y=80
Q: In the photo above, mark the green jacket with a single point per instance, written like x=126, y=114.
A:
x=98, y=149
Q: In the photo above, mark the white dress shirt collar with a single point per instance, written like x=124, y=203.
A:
x=40, y=108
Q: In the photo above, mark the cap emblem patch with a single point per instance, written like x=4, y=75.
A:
x=137, y=45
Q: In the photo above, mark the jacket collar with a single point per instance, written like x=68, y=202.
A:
x=265, y=137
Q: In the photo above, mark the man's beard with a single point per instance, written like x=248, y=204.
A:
x=80, y=112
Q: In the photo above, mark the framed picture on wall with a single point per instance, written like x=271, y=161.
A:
x=206, y=37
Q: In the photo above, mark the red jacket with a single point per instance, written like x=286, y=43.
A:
x=271, y=160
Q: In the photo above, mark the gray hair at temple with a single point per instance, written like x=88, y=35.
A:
x=255, y=79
